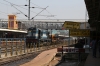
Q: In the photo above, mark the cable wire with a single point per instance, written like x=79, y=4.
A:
x=20, y=6
x=38, y=13
x=16, y=8
x=5, y=4
x=45, y=9
x=27, y=9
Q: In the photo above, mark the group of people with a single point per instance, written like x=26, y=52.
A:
x=94, y=45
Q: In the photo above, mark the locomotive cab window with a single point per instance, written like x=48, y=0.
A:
x=34, y=32
x=29, y=33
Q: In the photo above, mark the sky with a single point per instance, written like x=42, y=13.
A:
x=56, y=9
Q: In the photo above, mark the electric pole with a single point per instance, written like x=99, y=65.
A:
x=29, y=11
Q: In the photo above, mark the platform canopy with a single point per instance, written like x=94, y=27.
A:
x=93, y=8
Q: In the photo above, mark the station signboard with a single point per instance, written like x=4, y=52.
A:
x=71, y=25
x=71, y=50
x=79, y=32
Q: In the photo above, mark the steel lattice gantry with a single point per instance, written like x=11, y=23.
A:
x=24, y=24
x=49, y=25
x=43, y=25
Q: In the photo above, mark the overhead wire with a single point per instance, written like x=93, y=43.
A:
x=31, y=11
x=16, y=8
x=21, y=7
x=45, y=9
x=26, y=9
x=4, y=4
x=20, y=11
x=4, y=13
x=38, y=13
x=35, y=4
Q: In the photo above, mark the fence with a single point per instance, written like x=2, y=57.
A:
x=17, y=46
x=12, y=47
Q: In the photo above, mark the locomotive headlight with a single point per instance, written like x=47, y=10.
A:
x=36, y=35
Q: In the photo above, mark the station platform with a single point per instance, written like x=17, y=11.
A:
x=45, y=57
x=90, y=61
x=42, y=59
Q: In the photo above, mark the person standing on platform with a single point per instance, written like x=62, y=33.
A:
x=94, y=47
x=99, y=46
x=75, y=40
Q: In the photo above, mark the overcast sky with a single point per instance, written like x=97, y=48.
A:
x=61, y=9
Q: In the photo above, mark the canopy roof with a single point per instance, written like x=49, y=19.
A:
x=93, y=8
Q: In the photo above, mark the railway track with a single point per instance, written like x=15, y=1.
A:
x=20, y=59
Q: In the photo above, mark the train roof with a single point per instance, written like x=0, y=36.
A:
x=11, y=30
x=32, y=28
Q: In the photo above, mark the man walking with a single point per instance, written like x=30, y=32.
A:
x=94, y=47
x=99, y=46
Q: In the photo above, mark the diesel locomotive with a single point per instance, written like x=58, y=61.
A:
x=35, y=35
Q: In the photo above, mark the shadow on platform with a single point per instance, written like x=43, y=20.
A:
x=90, y=61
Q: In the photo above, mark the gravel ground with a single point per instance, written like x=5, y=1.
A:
x=17, y=61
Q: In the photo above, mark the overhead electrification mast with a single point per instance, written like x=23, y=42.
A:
x=29, y=11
